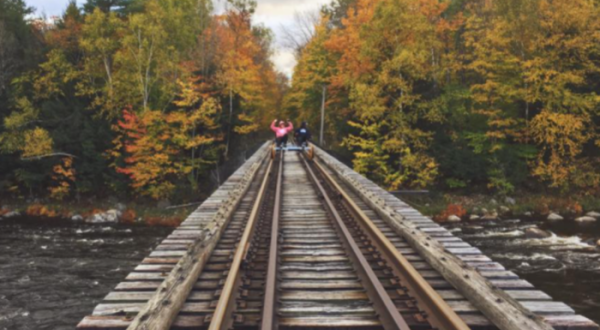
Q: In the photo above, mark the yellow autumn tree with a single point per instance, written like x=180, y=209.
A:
x=312, y=74
x=389, y=49
x=536, y=59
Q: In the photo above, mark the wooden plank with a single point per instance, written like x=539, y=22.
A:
x=341, y=321
x=495, y=304
x=323, y=295
x=164, y=305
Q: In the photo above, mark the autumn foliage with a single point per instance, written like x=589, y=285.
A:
x=495, y=94
x=148, y=99
x=133, y=98
x=128, y=216
x=452, y=209
x=39, y=210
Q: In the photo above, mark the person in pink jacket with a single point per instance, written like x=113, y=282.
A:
x=281, y=132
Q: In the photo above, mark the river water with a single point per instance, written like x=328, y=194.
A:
x=53, y=273
x=565, y=265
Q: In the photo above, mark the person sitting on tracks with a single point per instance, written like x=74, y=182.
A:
x=302, y=135
x=281, y=132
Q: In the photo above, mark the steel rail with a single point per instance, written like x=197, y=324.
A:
x=226, y=299
x=268, y=320
x=440, y=314
x=389, y=315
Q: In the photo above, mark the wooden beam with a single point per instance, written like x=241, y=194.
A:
x=162, y=309
x=501, y=309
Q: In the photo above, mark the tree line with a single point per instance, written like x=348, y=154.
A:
x=463, y=94
x=147, y=98
x=133, y=98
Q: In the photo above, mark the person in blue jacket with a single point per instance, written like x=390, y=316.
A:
x=302, y=135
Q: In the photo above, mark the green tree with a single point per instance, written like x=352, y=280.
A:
x=100, y=41
x=19, y=50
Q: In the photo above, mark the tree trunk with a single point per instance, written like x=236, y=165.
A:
x=230, y=122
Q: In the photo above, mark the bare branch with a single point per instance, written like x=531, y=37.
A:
x=299, y=34
x=182, y=205
x=54, y=154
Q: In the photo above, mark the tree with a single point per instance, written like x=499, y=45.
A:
x=337, y=11
x=155, y=146
x=58, y=112
x=243, y=70
x=314, y=70
x=154, y=43
x=100, y=41
x=301, y=32
x=535, y=58
x=18, y=51
x=107, y=5
x=9, y=61
x=390, y=62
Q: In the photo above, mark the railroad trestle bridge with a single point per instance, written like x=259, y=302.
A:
x=292, y=241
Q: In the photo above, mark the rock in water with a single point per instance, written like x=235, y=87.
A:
x=490, y=216
x=528, y=214
x=585, y=220
x=594, y=215
x=554, y=217
x=510, y=200
x=504, y=209
x=453, y=218
x=77, y=217
x=121, y=207
x=112, y=215
x=536, y=233
x=474, y=217
x=12, y=214
x=96, y=218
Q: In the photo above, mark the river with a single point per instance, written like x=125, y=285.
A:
x=53, y=272
x=565, y=265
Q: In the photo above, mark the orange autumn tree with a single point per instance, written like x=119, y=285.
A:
x=64, y=176
x=155, y=146
x=244, y=72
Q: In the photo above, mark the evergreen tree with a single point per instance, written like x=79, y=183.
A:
x=121, y=6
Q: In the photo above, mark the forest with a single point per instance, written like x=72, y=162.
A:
x=138, y=99
x=495, y=96
x=147, y=99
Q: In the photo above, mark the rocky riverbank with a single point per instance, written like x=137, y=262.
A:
x=448, y=208
x=105, y=212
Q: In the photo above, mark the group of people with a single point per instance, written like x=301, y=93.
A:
x=301, y=135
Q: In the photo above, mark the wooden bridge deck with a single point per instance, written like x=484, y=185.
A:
x=119, y=308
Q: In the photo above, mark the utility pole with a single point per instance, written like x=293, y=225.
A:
x=322, y=116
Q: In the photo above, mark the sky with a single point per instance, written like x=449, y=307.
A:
x=274, y=14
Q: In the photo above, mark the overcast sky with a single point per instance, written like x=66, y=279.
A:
x=272, y=13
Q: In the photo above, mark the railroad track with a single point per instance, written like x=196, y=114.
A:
x=300, y=250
